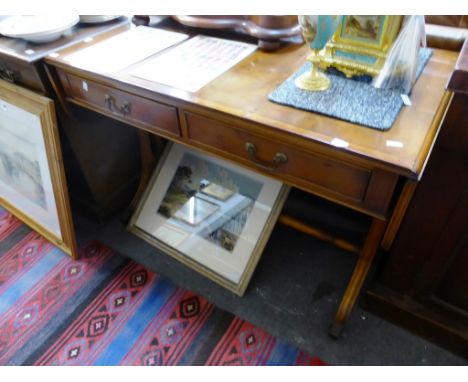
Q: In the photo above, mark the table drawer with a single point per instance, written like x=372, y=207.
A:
x=151, y=115
x=21, y=73
x=329, y=177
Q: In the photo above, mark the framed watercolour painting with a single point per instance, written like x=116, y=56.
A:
x=360, y=44
x=211, y=215
x=32, y=181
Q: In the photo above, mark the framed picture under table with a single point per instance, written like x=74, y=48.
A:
x=209, y=214
x=32, y=181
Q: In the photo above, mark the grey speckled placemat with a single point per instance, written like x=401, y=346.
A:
x=346, y=99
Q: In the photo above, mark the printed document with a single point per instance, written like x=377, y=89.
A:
x=194, y=63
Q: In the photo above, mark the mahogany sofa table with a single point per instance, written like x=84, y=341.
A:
x=371, y=174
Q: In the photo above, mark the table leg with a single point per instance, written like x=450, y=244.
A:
x=361, y=269
x=398, y=214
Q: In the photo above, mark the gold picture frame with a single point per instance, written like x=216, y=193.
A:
x=224, y=243
x=360, y=44
x=32, y=180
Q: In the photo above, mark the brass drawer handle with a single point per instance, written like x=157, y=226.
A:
x=8, y=74
x=123, y=110
x=278, y=159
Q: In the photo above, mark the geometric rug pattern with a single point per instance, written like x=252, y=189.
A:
x=105, y=309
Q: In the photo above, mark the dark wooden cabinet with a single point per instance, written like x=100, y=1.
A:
x=423, y=284
x=101, y=155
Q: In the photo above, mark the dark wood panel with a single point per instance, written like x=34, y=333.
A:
x=450, y=240
x=454, y=287
x=453, y=127
x=426, y=322
x=108, y=163
x=436, y=199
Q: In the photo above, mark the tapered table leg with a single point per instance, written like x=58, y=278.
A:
x=361, y=269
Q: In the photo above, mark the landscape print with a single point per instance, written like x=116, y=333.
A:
x=362, y=27
x=210, y=201
x=19, y=167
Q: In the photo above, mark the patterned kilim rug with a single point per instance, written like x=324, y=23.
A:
x=105, y=309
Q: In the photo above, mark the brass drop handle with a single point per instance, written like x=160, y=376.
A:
x=123, y=110
x=8, y=74
x=278, y=159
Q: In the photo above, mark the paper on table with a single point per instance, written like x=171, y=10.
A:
x=124, y=49
x=194, y=63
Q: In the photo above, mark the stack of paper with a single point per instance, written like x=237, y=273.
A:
x=125, y=49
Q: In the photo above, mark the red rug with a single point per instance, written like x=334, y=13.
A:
x=105, y=309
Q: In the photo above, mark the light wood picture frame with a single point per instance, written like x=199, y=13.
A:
x=32, y=179
x=209, y=214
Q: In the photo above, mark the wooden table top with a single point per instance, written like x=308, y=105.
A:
x=243, y=92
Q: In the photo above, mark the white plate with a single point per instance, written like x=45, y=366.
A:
x=95, y=19
x=40, y=28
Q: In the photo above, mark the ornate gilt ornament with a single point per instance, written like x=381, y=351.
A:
x=317, y=31
x=360, y=44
